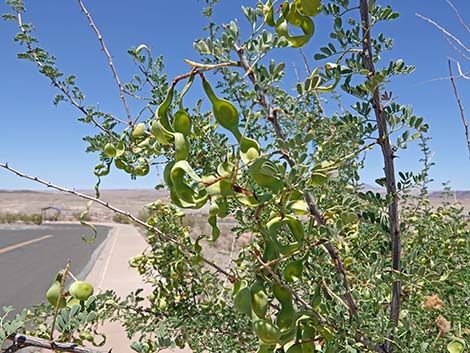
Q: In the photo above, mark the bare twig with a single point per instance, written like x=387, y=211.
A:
x=389, y=169
x=444, y=31
x=264, y=100
x=20, y=341
x=110, y=60
x=211, y=66
x=459, y=17
x=61, y=87
x=117, y=210
x=61, y=293
x=461, y=108
x=304, y=58
x=456, y=48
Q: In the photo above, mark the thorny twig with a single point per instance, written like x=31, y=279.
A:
x=110, y=60
x=117, y=210
x=60, y=86
x=444, y=31
x=61, y=293
x=461, y=108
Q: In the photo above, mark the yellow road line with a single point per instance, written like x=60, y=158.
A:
x=19, y=245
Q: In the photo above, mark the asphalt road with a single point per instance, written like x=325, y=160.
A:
x=30, y=257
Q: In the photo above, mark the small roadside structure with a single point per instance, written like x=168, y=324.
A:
x=50, y=213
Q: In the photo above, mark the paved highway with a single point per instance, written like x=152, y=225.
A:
x=30, y=257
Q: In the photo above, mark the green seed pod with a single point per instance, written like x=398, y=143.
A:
x=295, y=349
x=81, y=290
x=162, y=135
x=266, y=331
x=222, y=187
x=138, y=131
x=259, y=171
x=225, y=112
x=163, y=109
x=293, y=270
x=181, y=147
x=238, y=286
x=142, y=168
x=110, y=150
x=249, y=149
x=53, y=292
x=308, y=335
x=182, y=122
x=286, y=316
x=259, y=300
x=242, y=301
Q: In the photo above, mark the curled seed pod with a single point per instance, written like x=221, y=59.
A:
x=249, y=149
x=259, y=300
x=225, y=112
x=181, y=147
x=182, y=122
x=187, y=195
x=267, y=332
x=286, y=316
x=222, y=187
x=161, y=134
x=293, y=270
x=264, y=173
x=164, y=108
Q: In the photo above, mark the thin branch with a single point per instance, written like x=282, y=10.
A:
x=461, y=108
x=61, y=293
x=61, y=87
x=211, y=66
x=457, y=48
x=334, y=254
x=264, y=100
x=389, y=169
x=110, y=60
x=459, y=17
x=459, y=68
x=20, y=341
x=443, y=30
x=117, y=210
x=304, y=58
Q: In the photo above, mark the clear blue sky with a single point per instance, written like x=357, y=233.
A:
x=45, y=140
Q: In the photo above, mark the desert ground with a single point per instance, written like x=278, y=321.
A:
x=133, y=201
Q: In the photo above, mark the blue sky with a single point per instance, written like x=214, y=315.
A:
x=45, y=140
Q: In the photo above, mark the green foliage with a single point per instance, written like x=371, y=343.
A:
x=316, y=272
x=119, y=218
x=34, y=218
